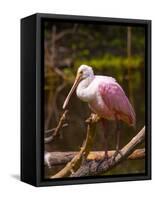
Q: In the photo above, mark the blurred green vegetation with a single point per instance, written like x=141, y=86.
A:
x=112, y=50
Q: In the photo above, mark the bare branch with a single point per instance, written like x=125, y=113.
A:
x=75, y=163
x=60, y=158
x=66, y=32
x=50, y=138
x=96, y=168
x=59, y=73
x=53, y=129
x=52, y=107
x=57, y=129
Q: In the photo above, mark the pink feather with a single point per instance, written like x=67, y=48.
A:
x=117, y=102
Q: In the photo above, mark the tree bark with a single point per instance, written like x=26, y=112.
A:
x=96, y=168
x=60, y=158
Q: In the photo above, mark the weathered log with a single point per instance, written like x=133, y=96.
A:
x=96, y=168
x=60, y=158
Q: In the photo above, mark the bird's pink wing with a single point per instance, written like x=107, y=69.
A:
x=116, y=100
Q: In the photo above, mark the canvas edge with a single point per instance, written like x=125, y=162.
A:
x=39, y=180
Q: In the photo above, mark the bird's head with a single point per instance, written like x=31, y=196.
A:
x=83, y=72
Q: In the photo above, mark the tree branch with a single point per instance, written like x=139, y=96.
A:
x=75, y=163
x=66, y=32
x=53, y=129
x=57, y=129
x=95, y=168
x=60, y=158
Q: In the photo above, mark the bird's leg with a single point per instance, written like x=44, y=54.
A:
x=117, y=133
x=117, y=136
x=104, y=123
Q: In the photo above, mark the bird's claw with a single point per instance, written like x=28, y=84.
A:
x=93, y=118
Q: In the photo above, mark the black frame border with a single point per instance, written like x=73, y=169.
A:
x=40, y=181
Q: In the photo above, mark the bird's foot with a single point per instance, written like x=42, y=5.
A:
x=116, y=153
x=93, y=118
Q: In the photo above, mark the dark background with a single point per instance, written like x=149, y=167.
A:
x=112, y=50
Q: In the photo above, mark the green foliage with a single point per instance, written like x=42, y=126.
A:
x=110, y=62
x=70, y=75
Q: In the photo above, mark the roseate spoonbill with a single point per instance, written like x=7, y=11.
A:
x=105, y=97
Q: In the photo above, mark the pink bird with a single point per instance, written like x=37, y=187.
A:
x=105, y=97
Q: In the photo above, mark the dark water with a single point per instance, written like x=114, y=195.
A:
x=74, y=135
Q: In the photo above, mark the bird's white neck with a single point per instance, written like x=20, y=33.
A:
x=82, y=89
